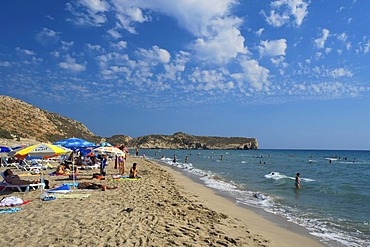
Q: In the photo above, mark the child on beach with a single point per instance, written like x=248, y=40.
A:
x=133, y=171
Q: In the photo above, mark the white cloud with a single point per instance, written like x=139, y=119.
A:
x=255, y=74
x=209, y=21
x=220, y=48
x=89, y=12
x=47, y=35
x=128, y=13
x=5, y=64
x=282, y=11
x=155, y=54
x=114, y=33
x=272, y=48
x=120, y=45
x=367, y=47
x=210, y=80
x=320, y=42
x=94, y=47
x=342, y=36
x=25, y=51
x=176, y=67
x=340, y=72
x=259, y=32
x=70, y=64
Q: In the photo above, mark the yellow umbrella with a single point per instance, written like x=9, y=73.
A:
x=41, y=149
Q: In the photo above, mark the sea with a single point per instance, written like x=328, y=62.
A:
x=332, y=203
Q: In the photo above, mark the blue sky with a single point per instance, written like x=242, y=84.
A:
x=291, y=73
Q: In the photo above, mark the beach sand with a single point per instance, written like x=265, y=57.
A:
x=163, y=208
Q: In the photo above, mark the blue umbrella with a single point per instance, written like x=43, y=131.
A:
x=4, y=149
x=105, y=144
x=75, y=143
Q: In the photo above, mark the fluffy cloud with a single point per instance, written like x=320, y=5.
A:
x=156, y=54
x=272, y=48
x=255, y=74
x=217, y=35
x=220, y=48
x=47, y=35
x=89, y=12
x=340, y=72
x=282, y=11
x=70, y=64
x=320, y=42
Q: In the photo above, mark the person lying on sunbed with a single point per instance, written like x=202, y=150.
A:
x=11, y=178
x=94, y=186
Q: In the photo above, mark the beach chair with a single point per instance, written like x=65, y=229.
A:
x=5, y=163
x=26, y=187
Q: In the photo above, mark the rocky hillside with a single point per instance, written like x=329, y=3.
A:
x=20, y=120
x=186, y=141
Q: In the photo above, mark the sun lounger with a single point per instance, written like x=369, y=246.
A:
x=25, y=187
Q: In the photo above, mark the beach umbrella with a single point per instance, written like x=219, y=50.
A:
x=105, y=144
x=3, y=150
x=109, y=150
x=41, y=149
x=75, y=143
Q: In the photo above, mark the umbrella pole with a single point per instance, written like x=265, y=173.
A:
x=73, y=174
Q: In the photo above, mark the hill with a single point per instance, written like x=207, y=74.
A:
x=20, y=120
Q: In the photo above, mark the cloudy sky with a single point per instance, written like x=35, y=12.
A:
x=292, y=73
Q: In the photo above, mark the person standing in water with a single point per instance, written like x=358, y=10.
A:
x=297, y=181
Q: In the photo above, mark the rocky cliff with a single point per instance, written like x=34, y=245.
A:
x=20, y=120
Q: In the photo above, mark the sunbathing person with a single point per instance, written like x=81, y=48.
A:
x=61, y=169
x=11, y=178
x=94, y=186
x=133, y=171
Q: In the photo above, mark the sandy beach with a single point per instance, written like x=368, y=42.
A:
x=163, y=208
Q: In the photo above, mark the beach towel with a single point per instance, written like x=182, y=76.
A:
x=122, y=178
x=54, y=174
x=72, y=196
x=61, y=189
x=12, y=201
x=9, y=210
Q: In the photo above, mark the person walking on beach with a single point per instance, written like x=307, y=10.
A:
x=137, y=151
x=297, y=181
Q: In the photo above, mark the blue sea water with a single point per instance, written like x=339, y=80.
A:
x=333, y=203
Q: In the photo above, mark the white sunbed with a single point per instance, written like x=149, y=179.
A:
x=26, y=187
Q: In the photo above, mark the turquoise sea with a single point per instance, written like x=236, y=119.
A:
x=333, y=203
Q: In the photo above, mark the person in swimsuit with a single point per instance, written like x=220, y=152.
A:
x=297, y=181
x=11, y=178
x=94, y=186
x=121, y=164
x=133, y=171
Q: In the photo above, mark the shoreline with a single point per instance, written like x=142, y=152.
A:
x=278, y=230
x=163, y=208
